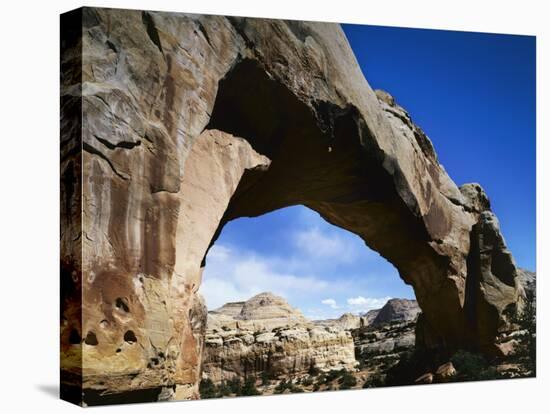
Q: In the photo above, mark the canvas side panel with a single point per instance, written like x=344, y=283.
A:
x=71, y=207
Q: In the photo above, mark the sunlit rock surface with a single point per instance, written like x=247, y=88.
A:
x=174, y=124
x=269, y=337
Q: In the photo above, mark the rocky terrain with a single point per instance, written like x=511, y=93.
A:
x=252, y=339
x=268, y=337
x=397, y=310
x=162, y=144
x=251, y=350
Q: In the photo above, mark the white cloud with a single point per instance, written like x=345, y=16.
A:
x=326, y=245
x=232, y=274
x=359, y=300
x=219, y=252
x=363, y=304
x=330, y=302
x=320, y=268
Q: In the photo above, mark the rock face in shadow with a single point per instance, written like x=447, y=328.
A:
x=174, y=124
x=269, y=337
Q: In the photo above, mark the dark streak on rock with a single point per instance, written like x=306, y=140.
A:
x=88, y=148
x=121, y=144
x=151, y=29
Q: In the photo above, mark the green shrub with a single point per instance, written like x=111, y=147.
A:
x=281, y=387
x=374, y=381
x=333, y=374
x=223, y=389
x=526, y=350
x=307, y=381
x=347, y=380
x=235, y=385
x=469, y=364
x=473, y=367
x=265, y=378
x=207, y=389
x=313, y=370
x=249, y=387
x=411, y=365
x=287, y=385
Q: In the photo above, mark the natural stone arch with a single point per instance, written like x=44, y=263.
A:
x=333, y=166
x=190, y=121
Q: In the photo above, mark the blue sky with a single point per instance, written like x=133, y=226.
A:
x=474, y=96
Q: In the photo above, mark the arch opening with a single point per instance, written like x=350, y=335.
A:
x=294, y=253
x=325, y=157
x=289, y=276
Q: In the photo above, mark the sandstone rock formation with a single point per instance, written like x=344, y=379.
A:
x=346, y=321
x=269, y=337
x=231, y=309
x=379, y=339
x=370, y=316
x=174, y=124
x=397, y=310
x=528, y=281
x=264, y=311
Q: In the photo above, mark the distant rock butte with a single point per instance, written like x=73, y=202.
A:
x=397, y=310
x=370, y=316
x=264, y=311
x=266, y=305
x=528, y=281
x=268, y=335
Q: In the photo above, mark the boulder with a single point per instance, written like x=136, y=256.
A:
x=445, y=371
x=426, y=378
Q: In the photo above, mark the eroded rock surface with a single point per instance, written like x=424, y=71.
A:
x=269, y=337
x=174, y=124
x=397, y=310
x=346, y=321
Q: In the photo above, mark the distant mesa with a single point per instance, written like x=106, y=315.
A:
x=397, y=310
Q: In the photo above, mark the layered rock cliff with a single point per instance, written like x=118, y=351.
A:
x=174, y=124
x=269, y=337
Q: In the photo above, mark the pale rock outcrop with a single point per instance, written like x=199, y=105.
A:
x=231, y=309
x=347, y=321
x=267, y=311
x=174, y=124
x=528, y=281
x=279, y=353
x=270, y=337
x=384, y=338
